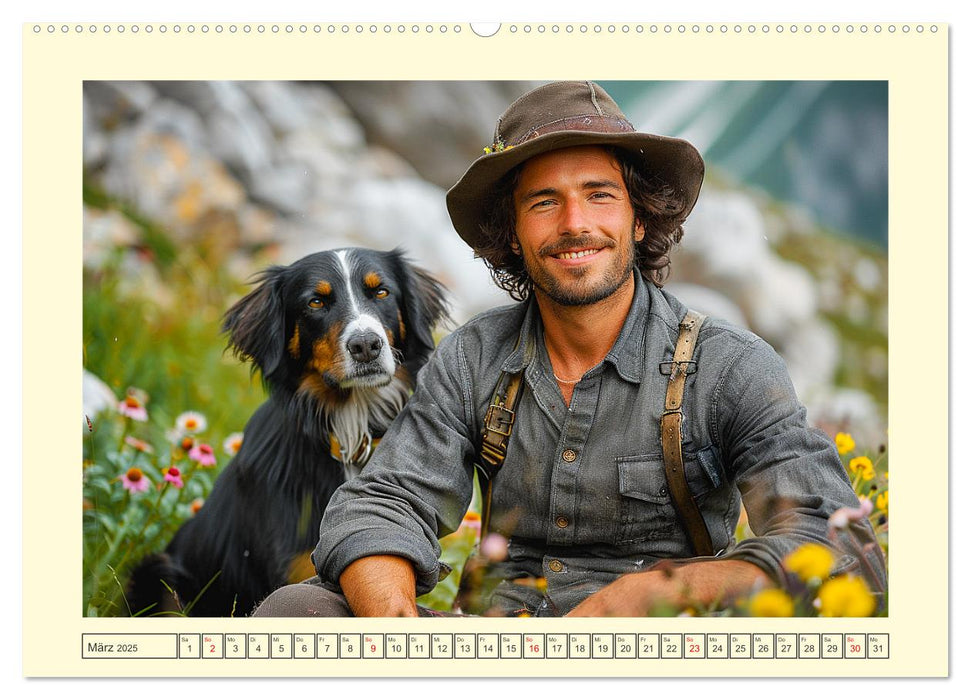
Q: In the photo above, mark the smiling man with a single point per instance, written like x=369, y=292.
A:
x=622, y=432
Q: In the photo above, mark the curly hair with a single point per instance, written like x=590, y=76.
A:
x=656, y=206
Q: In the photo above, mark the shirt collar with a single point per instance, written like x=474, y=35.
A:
x=627, y=354
x=525, y=348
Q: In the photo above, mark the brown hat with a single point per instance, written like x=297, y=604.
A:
x=559, y=115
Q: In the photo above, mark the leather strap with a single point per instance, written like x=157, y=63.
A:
x=681, y=366
x=496, y=430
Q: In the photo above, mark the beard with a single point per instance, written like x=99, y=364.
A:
x=580, y=286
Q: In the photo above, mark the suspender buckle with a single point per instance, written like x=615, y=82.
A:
x=673, y=367
x=499, y=419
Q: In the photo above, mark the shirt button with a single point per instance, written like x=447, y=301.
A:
x=562, y=522
x=663, y=491
x=569, y=456
x=556, y=566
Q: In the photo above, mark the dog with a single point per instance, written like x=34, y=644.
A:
x=338, y=337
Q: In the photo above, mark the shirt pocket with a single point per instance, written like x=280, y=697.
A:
x=647, y=511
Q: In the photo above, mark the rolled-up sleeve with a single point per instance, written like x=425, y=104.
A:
x=789, y=474
x=418, y=483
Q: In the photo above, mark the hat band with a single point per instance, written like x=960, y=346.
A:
x=592, y=122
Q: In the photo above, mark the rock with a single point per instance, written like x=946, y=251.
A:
x=725, y=247
x=102, y=232
x=115, y=102
x=439, y=127
x=725, y=238
x=811, y=351
x=777, y=299
x=708, y=301
x=159, y=165
x=288, y=188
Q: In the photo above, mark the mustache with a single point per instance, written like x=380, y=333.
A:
x=575, y=243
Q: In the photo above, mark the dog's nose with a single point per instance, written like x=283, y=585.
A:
x=365, y=347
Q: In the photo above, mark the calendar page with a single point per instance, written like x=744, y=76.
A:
x=169, y=166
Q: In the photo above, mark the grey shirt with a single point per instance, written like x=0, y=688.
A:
x=582, y=494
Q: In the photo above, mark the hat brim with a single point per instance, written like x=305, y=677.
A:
x=674, y=161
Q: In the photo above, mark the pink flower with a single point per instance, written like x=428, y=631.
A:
x=133, y=408
x=173, y=476
x=842, y=517
x=203, y=454
x=494, y=547
x=134, y=480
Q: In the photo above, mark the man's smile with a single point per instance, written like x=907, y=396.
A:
x=573, y=255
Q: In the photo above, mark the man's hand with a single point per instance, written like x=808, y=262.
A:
x=380, y=586
x=699, y=584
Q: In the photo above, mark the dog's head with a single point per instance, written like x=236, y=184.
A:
x=337, y=320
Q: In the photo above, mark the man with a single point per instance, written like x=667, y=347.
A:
x=575, y=213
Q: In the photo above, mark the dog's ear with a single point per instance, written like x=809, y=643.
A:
x=256, y=324
x=424, y=306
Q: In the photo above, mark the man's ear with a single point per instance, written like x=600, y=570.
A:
x=514, y=246
x=638, y=231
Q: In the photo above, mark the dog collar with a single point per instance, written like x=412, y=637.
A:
x=360, y=456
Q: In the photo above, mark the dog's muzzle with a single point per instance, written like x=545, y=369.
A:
x=365, y=347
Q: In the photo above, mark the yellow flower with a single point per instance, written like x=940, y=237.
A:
x=846, y=596
x=883, y=500
x=810, y=561
x=864, y=466
x=771, y=603
x=844, y=443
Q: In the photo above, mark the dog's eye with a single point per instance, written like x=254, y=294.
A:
x=316, y=303
x=381, y=293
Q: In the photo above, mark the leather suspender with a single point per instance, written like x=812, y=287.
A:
x=681, y=366
x=496, y=430
x=501, y=416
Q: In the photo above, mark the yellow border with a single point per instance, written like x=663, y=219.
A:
x=914, y=63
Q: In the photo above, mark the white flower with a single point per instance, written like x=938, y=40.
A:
x=190, y=423
x=232, y=443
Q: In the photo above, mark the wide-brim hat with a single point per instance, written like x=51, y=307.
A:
x=559, y=115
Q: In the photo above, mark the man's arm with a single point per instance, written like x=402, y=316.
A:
x=380, y=586
x=699, y=584
x=789, y=474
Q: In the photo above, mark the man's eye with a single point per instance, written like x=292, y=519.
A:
x=316, y=303
x=381, y=293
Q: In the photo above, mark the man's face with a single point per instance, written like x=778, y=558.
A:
x=575, y=225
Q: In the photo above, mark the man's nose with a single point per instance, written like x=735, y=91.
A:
x=573, y=217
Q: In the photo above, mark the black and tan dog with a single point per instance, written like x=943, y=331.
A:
x=339, y=337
